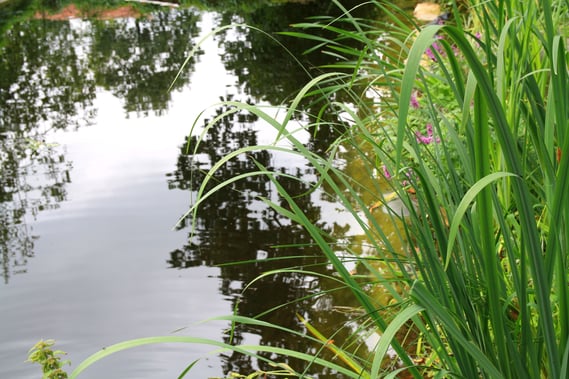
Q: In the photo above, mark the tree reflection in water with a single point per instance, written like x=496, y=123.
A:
x=43, y=79
x=49, y=75
x=234, y=228
x=50, y=72
x=44, y=85
x=138, y=59
x=34, y=175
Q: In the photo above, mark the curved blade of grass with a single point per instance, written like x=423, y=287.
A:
x=187, y=369
x=423, y=41
x=389, y=334
x=250, y=350
x=197, y=46
x=135, y=343
x=299, y=97
x=463, y=206
x=203, y=196
x=279, y=126
x=329, y=344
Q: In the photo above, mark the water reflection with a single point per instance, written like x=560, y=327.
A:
x=138, y=59
x=234, y=224
x=34, y=175
x=273, y=67
x=50, y=71
x=50, y=74
x=69, y=65
x=271, y=71
x=241, y=234
x=43, y=79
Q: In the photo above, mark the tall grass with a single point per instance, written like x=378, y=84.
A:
x=472, y=139
x=493, y=276
x=501, y=289
x=487, y=225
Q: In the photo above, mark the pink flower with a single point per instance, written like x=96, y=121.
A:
x=423, y=139
x=414, y=101
x=409, y=175
x=426, y=140
x=478, y=36
x=386, y=172
x=437, y=47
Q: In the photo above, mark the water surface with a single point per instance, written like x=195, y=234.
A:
x=96, y=174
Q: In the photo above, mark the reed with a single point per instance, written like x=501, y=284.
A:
x=479, y=139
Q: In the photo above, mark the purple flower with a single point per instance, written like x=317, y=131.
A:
x=386, y=172
x=426, y=140
x=423, y=139
x=414, y=101
x=437, y=47
x=478, y=36
x=455, y=50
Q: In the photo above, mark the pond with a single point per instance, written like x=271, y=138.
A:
x=96, y=175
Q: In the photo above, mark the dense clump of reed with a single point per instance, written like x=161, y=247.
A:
x=470, y=130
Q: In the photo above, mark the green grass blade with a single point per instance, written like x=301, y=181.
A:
x=463, y=206
x=389, y=334
x=187, y=369
x=423, y=41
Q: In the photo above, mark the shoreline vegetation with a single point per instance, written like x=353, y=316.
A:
x=464, y=120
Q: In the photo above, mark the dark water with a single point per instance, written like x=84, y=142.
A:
x=95, y=174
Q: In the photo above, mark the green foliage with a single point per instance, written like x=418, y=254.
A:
x=500, y=276
x=48, y=359
x=500, y=122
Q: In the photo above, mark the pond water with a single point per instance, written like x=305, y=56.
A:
x=95, y=175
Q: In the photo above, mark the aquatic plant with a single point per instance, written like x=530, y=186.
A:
x=48, y=359
x=487, y=224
